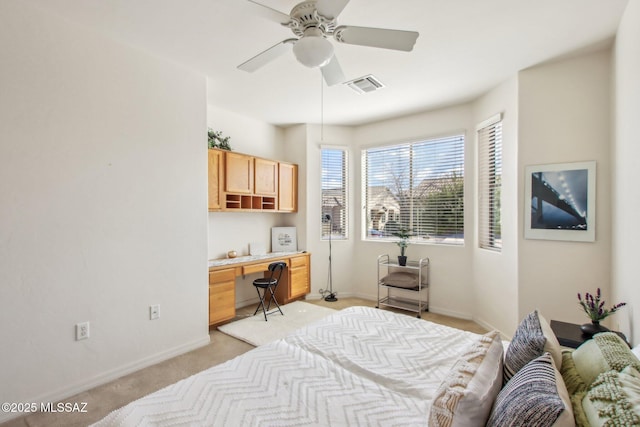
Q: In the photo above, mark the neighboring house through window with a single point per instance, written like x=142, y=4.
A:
x=417, y=186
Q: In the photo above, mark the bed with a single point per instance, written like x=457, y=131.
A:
x=371, y=367
x=359, y=366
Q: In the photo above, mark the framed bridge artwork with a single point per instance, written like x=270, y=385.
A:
x=560, y=202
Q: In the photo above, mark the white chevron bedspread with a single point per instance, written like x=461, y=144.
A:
x=359, y=366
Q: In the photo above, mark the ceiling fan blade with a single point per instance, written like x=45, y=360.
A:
x=267, y=56
x=332, y=72
x=376, y=37
x=330, y=9
x=271, y=13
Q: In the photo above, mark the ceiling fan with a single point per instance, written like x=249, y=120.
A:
x=313, y=22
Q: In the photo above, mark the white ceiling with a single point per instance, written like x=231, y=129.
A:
x=465, y=47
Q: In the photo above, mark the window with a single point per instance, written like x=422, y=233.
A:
x=417, y=187
x=490, y=183
x=334, y=193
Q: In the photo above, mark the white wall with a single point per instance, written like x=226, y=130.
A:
x=451, y=274
x=495, y=274
x=626, y=173
x=103, y=190
x=295, y=151
x=564, y=116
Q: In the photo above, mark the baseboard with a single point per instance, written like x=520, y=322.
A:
x=105, y=377
x=490, y=327
x=450, y=313
x=247, y=302
x=338, y=295
x=432, y=309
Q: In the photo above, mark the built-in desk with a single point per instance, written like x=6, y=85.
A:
x=294, y=284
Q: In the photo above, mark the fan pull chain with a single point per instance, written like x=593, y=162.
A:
x=321, y=108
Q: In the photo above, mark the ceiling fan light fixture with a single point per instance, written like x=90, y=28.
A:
x=313, y=51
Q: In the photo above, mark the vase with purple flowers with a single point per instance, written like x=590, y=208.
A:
x=593, y=305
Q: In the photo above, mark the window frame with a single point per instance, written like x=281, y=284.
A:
x=489, y=183
x=457, y=172
x=343, y=221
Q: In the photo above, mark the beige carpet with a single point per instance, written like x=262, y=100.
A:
x=254, y=330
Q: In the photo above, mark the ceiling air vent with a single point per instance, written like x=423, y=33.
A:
x=365, y=84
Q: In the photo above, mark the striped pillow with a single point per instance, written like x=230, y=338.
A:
x=535, y=396
x=527, y=344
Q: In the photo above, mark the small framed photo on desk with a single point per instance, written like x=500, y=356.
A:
x=284, y=239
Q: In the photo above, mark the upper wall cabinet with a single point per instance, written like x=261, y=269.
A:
x=239, y=173
x=266, y=177
x=246, y=183
x=216, y=175
x=288, y=187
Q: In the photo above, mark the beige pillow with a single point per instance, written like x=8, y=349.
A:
x=401, y=279
x=466, y=395
x=602, y=353
x=551, y=345
x=566, y=418
x=614, y=399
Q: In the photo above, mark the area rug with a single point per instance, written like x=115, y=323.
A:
x=256, y=331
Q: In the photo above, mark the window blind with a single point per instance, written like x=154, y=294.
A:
x=417, y=187
x=489, y=185
x=334, y=193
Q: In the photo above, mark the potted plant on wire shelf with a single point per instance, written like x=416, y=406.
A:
x=404, y=236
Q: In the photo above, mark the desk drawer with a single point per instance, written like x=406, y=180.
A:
x=257, y=268
x=299, y=261
x=226, y=275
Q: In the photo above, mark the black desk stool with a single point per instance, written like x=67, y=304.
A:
x=269, y=283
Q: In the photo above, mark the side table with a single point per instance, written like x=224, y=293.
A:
x=570, y=335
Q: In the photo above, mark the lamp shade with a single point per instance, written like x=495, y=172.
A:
x=313, y=51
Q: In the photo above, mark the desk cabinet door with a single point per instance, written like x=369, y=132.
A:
x=299, y=282
x=222, y=296
x=299, y=272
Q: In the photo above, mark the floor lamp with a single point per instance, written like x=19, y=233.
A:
x=332, y=296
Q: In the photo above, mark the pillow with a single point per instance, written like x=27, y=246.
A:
x=602, y=353
x=614, y=399
x=527, y=344
x=466, y=395
x=575, y=386
x=636, y=351
x=535, y=396
x=401, y=279
x=570, y=375
x=551, y=345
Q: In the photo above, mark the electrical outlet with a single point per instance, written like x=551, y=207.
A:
x=154, y=312
x=82, y=331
